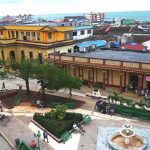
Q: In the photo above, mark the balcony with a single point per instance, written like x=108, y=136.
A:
x=7, y=41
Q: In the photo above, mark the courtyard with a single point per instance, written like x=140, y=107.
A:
x=21, y=116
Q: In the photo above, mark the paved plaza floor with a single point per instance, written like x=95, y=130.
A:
x=21, y=116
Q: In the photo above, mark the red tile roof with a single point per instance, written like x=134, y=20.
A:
x=135, y=46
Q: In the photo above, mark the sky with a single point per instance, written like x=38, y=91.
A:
x=34, y=7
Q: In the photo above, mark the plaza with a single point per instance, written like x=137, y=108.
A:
x=20, y=117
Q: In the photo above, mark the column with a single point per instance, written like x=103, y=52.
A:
x=104, y=74
x=74, y=71
x=111, y=77
x=121, y=75
x=19, y=35
x=139, y=84
x=125, y=79
x=30, y=36
x=89, y=77
x=107, y=77
x=96, y=74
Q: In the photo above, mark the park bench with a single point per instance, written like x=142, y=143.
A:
x=70, y=105
x=18, y=100
x=144, y=117
x=54, y=104
x=126, y=114
x=65, y=136
x=1, y=116
x=86, y=119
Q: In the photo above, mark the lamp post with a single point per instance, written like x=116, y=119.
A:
x=38, y=135
x=54, y=46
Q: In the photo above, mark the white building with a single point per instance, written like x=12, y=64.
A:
x=82, y=32
x=96, y=16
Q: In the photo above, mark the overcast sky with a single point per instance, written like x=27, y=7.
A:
x=15, y=7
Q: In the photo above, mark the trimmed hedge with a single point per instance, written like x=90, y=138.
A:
x=141, y=113
x=57, y=127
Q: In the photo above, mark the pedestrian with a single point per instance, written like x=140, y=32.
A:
x=1, y=105
x=38, y=103
x=145, y=96
x=76, y=128
x=45, y=135
x=3, y=86
x=81, y=127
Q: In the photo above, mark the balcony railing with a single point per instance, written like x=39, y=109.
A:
x=7, y=41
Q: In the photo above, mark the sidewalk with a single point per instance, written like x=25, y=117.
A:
x=17, y=129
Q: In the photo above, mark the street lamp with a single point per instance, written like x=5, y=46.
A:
x=38, y=135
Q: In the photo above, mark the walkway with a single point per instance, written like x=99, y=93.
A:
x=17, y=129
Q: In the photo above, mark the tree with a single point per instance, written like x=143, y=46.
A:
x=46, y=74
x=25, y=71
x=52, y=77
x=70, y=82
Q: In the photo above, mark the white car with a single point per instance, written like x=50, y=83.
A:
x=96, y=94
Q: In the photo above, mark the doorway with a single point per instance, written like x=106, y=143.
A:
x=12, y=57
x=133, y=81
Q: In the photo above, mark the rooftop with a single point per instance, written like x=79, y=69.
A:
x=116, y=55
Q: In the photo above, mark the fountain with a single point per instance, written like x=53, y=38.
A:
x=127, y=139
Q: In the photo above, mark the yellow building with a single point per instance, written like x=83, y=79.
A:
x=33, y=42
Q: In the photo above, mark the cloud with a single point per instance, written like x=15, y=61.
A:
x=10, y=1
x=15, y=7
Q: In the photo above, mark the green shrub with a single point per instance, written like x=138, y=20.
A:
x=132, y=111
x=56, y=126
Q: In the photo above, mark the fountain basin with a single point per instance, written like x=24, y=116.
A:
x=116, y=142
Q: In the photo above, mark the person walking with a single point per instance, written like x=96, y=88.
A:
x=3, y=86
x=145, y=96
x=1, y=106
x=45, y=136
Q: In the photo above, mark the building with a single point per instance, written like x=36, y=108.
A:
x=96, y=17
x=109, y=68
x=82, y=32
x=89, y=46
x=32, y=42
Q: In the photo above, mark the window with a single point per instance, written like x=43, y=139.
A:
x=1, y=32
x=69, y=50
x=49, y=35
x=88, y=31
x=27, y=33
x=17, y=34
x=22, y=35
x=2, y=53
x=67, y=36
x=74, y=33
x=82, y=32
x=12, y=34
x=30, y=54
x=38, y=36
x=40, y=57
x=22, y=54
x=9, y=34
x=33, y=35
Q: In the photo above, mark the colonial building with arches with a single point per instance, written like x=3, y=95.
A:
x=108, y=68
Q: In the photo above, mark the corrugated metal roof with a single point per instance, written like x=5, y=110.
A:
x=82, y=27
x=98, y=43
x=116, y=55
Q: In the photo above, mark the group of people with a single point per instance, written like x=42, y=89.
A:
x=79, y=128
x=104, y=107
